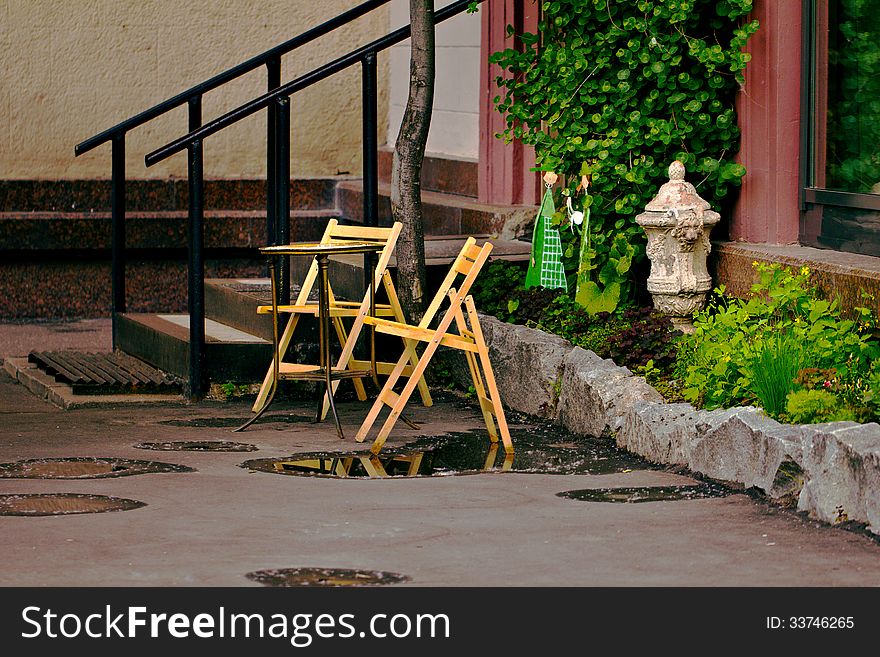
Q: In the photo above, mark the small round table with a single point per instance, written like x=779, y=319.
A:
x=324, y=372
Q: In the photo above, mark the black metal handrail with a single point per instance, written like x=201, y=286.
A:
x=220, y=79
x=277, y=103
x=193, y=99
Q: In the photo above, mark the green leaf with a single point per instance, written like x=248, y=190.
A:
x=594, y=300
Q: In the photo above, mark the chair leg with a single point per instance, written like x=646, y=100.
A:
x=261, y=401
x=485, y=405
x=400, y=402
x=386, y=393
x=358, y=384
x=346, y=358
x=494, y=398
x=397, y=309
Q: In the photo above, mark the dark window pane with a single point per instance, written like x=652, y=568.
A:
x=852, y=158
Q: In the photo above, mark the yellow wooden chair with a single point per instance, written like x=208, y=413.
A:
x=469, y=340
x=337, y=233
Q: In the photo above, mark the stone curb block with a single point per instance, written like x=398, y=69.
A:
x=596, y=394
x=745, y=446
x=661, y=432
x=842, y=464
x=528, y=365
x=832, y=470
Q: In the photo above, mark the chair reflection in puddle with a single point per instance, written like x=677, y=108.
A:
x=407, y=464
x=468, y=339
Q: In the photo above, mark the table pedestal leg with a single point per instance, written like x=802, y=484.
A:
x=324, y=342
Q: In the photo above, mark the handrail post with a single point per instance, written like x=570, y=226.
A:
x=273, y=81
x=117, y=228
x=282, y=192
x=369, y=125
x=196, y=264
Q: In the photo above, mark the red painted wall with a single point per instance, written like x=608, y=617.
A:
x=504, y=173
x=769, y=115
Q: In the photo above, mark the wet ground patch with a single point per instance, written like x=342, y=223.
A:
x=327, y=577
x=235, y=422
x=633, y=495
x=537, y=449
x=62, y=504
x=198, y=446
x=84, y=468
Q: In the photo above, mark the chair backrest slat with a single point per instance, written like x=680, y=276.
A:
x=306, y=289
x=469, y=262
x=336, y=232
x=447, y=283
x=365, y=233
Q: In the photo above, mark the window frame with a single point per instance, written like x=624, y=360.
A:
x=812, y=86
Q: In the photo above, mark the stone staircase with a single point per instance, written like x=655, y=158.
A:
x=55, y=241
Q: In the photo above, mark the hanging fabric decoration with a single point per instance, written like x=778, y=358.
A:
x=585, y=257
x=545, y=266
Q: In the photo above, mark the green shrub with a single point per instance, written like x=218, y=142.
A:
x=566, y=318
x=814, y=406
x=646, y=335
x=531, y=306
x=773, y=369
x=735, y=341
x=496, y=286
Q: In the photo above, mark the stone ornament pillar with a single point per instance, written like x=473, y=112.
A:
x=678, y=222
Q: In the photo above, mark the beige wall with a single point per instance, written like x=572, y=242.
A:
x=72, y=68
x=455, y=119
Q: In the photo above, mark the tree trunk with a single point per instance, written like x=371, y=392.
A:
x=406, y=168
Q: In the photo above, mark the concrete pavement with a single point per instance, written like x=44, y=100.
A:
x=213, y=526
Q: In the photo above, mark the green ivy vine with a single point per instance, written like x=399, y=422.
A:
x=617, y=90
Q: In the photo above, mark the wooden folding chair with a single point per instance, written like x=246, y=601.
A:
x=468, y=264
x=337, y=233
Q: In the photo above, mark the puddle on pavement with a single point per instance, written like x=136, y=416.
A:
x=61, y=504
x=84, y=468
x=536, y=450
x=198, y=446
x=329, y=577
x=234, y=422
x=646, y=494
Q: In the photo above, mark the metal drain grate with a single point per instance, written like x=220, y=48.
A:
x=84, y=468
x=329, y=577
x=63, y=504
x=104, y=373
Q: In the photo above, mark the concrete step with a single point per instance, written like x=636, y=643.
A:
x=57, y=265
x=162, y=340
x=440, y=173
x=234, y=301
x=444, y=214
